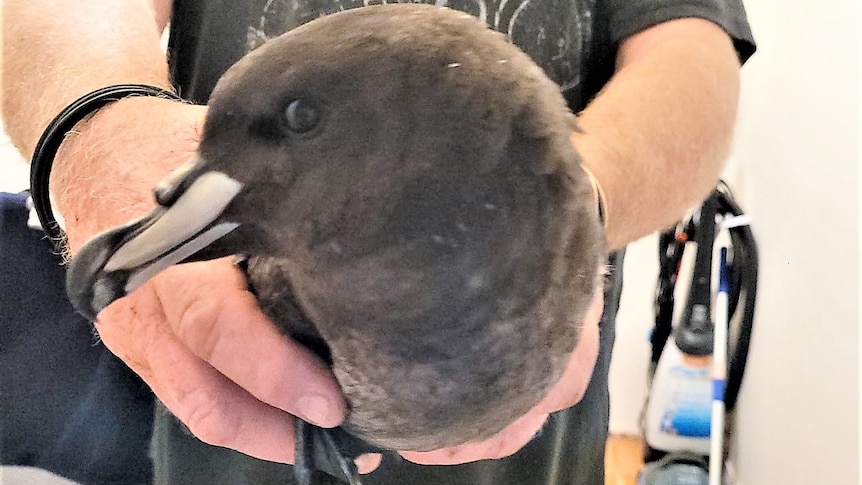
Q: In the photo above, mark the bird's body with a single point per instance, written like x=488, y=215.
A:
x=403, y=183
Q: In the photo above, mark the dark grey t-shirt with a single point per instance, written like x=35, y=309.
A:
x=575, y=42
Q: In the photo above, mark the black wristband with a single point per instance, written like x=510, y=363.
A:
x=54, y=134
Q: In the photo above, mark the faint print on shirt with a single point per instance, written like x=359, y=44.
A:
x=556, y=34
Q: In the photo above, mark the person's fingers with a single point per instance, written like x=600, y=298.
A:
x=368, y=462
x=168, y=329
x=214, y=409
x=505, y=443
x=570, y=388
x=221, y=324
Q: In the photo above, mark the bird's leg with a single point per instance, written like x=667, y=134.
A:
x=329, y=451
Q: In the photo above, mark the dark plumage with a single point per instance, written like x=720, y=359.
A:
x=403, y=183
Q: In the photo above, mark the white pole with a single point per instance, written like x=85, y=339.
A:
x=719, y=374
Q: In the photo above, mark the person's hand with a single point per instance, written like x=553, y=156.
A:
x=567, y=392
x=196, y=336
x=194, y=333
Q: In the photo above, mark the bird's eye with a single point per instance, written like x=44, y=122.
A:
x=301, y=115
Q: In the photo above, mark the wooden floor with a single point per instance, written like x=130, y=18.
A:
x=623, y=460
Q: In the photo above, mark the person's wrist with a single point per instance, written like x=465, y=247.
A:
x=596, y=157
x=106, y=168
x=598, y=198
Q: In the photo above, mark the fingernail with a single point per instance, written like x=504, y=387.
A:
x=318, y=410
x=368, y=462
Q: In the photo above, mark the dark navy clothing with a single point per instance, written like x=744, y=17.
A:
x=67, y=405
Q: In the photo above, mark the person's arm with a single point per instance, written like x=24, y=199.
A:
x=657, y=136
x=56, y=51
x=194, y=333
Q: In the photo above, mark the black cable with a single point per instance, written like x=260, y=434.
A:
x=670, y=254
x=745, y=266
x=54, y=134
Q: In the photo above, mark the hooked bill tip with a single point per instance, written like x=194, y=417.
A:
x=87, y=288
x=170, y=188
x=105, y=292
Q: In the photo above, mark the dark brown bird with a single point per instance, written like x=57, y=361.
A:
x=403, y=185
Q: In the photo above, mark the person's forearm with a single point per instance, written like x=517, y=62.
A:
x=657, y=137
x=55, y=51
x=106, y=168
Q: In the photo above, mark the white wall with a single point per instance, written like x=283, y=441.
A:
x=628, y=374
x=796, y=168
x=798, y=150
x=14, y=172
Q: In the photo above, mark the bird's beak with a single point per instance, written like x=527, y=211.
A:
x=188, y=219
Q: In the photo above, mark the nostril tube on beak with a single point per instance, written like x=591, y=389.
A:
x=170, y=188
